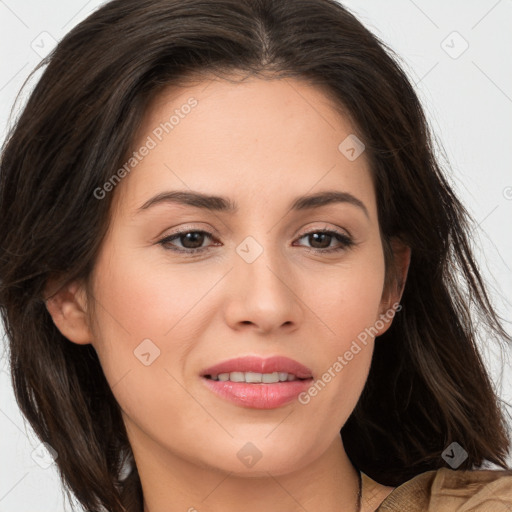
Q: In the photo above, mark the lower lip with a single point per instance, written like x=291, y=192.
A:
x=258, y=396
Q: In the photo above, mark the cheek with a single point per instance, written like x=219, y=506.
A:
x=141, y=299
x=139, y=309
x=348, y=307
x=348, y=297
x=147, y=325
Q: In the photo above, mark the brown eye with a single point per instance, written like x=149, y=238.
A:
x=190, y=241
x=321, y=240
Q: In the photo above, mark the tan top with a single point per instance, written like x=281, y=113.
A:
x=442, y=490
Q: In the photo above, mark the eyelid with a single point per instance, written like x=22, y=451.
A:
x=337, y=229
x=214, y=233
x=184, y=228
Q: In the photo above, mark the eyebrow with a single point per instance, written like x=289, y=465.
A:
x=224, y=204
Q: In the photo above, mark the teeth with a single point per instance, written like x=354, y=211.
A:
x=268, y=378
x=254, y=377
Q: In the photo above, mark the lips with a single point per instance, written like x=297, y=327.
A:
x=258, y=383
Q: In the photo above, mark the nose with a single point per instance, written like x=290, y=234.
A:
x=263, y=295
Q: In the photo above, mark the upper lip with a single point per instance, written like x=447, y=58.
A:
x=260, y=365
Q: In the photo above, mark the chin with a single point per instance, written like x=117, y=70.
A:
x=261, y=456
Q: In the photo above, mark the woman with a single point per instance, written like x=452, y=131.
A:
x=234, y=275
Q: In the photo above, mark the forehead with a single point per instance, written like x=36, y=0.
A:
x=265, y=139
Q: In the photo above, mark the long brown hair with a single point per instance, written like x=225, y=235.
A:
x=427, y=385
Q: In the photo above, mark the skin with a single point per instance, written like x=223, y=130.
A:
x=262, y=143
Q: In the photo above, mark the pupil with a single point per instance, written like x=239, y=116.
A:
x=316, y=236
x=193, y=237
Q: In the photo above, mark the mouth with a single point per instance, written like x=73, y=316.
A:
x=254, y=377
x=258, y=383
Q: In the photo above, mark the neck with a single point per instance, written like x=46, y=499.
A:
x=329, y=483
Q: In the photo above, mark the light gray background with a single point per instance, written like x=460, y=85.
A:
x=468, y=99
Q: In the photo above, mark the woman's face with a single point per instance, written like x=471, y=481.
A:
x=265, y=282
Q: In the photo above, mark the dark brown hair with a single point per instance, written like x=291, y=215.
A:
x=427, y=385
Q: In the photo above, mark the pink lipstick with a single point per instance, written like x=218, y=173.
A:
x=258, y=383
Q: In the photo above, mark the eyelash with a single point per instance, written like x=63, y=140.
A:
x=345, y=241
